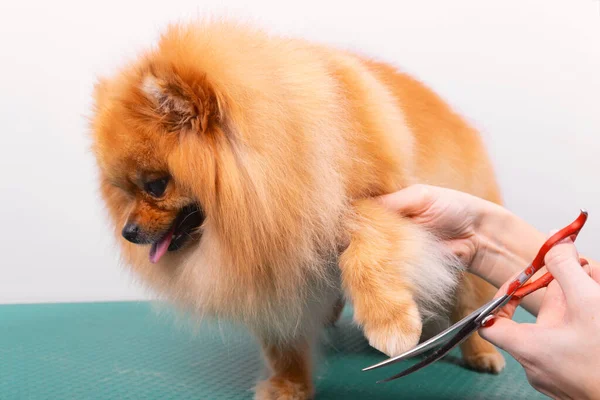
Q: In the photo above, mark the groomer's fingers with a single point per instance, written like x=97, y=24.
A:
x=508, y=335
x=509, y=309
x=413, y=200
x=563, y=263
x=554, y=306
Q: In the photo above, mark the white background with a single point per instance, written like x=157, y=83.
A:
x=526, y=72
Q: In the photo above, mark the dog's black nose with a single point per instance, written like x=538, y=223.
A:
x=131, y=232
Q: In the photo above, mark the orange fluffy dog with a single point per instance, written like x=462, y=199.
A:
x=239, y=170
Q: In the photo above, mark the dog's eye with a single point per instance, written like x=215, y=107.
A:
x=156, y=188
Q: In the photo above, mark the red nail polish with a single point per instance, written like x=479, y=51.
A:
x=489, y=322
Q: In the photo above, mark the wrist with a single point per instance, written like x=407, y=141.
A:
x=506, y=244
x=488, y=254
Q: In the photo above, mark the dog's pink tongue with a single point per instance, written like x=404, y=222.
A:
x=159, y=248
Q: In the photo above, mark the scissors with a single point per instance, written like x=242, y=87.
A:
x=460, y=331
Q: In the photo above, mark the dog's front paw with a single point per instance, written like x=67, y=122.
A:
x=282, y=389
x=395, y=336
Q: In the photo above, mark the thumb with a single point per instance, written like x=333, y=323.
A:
x=411, y=201
x=508, y=335
x=502, y=331
x=564, y=264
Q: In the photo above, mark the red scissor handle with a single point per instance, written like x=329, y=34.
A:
x=540, y=283
x=571, y=230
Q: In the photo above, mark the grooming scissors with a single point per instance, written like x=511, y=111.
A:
x=463, y=329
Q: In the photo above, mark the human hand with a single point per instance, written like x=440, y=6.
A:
x=561, y=351
x=490, y=241
x=451, y=215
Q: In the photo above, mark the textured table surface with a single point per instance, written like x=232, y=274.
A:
x=136, y=350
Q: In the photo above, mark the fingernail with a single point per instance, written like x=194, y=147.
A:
x=586, y=266
x=489, y=322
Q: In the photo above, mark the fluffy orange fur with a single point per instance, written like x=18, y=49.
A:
x=283, y=143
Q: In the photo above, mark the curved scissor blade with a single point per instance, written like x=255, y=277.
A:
x=431, y=343
x=463, y=334
x=473, y=324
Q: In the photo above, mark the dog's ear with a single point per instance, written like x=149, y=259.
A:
x=180, y=105
x=100, y=93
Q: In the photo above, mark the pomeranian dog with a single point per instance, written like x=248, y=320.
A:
x=239, y=170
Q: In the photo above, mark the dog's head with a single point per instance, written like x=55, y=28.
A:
x=152, y=126
x=210, y=149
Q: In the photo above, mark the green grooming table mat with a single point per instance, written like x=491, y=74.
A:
x=138, y=350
